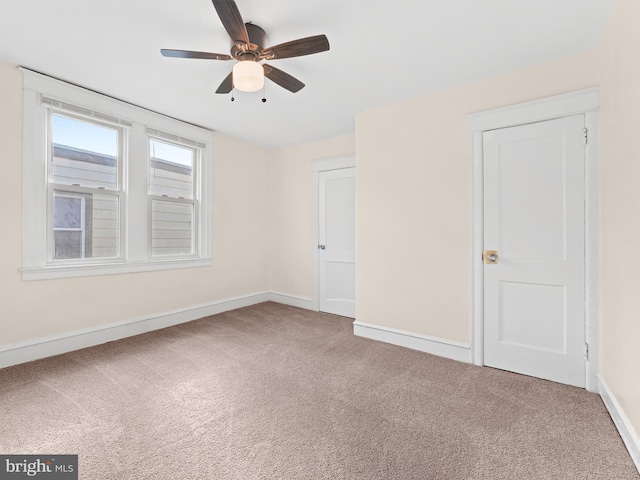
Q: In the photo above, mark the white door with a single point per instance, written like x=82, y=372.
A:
x=534, y=297
x=337, y=241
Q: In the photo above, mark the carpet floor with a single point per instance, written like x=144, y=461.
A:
x=275, y=392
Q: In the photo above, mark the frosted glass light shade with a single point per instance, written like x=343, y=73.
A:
x=248, y=76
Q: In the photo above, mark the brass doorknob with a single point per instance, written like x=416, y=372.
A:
x=490, y=257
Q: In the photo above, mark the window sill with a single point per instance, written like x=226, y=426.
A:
x=70, y=271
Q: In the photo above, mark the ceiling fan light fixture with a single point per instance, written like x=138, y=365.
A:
x=248, y=76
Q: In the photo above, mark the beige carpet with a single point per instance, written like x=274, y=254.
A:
x=274, y=392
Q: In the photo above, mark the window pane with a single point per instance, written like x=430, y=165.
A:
x=171, y=169
x=171, y=228
x=85, y=225
x=68, y=212
x=84, y=153
x=68, y=244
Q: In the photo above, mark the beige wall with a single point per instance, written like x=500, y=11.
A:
x=31, y=310
x=291, y=213
x=413, y=198
x=619, y=65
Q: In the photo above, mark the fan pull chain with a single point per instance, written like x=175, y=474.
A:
x=264, y=98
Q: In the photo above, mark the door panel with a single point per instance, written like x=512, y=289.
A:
x=534, y=218
x=533, y=315
x=337, y=214
x=525, y=170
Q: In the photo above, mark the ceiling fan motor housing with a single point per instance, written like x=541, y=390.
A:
x=242, y=51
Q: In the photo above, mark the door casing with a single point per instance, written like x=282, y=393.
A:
x=581, y=102
x=323, y=165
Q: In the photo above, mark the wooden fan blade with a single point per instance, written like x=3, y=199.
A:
x=190, y=54
x=227, y=84
x=283, y=79
x=298, y=48
x=231, y=20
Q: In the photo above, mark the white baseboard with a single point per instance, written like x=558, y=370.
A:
x=13, y=354
x=621, y=421
x=436, y=346
x=292, y=300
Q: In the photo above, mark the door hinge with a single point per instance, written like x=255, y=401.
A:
x=585, y=133
x=586, y=351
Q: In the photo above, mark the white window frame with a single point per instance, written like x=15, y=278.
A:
x=197, y=161
x=135, y=253
x=55, y=108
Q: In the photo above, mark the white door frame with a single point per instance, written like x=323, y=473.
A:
x=322, y=165
x=581, y=102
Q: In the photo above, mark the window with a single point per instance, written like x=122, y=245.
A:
x=85, y=187
x=110, y=187
x=172, y=196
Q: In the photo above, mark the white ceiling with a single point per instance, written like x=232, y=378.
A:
x=381, y=52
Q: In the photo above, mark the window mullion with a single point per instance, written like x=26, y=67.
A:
x=138, y=210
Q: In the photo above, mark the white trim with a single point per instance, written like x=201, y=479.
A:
x=477, y=242
x=621, y=421
x=70, y=271
x=292, y=300
x=548, y=108
x=415, y=341
x=585, y=102
x=322, y=165
x=592, y=249
x=334, y=163
x=21, y=352
x=13, y=354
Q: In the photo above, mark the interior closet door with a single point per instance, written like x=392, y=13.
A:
x=337, y=245
x=534, y=237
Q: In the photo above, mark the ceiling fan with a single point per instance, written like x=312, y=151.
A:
x=247, y=47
